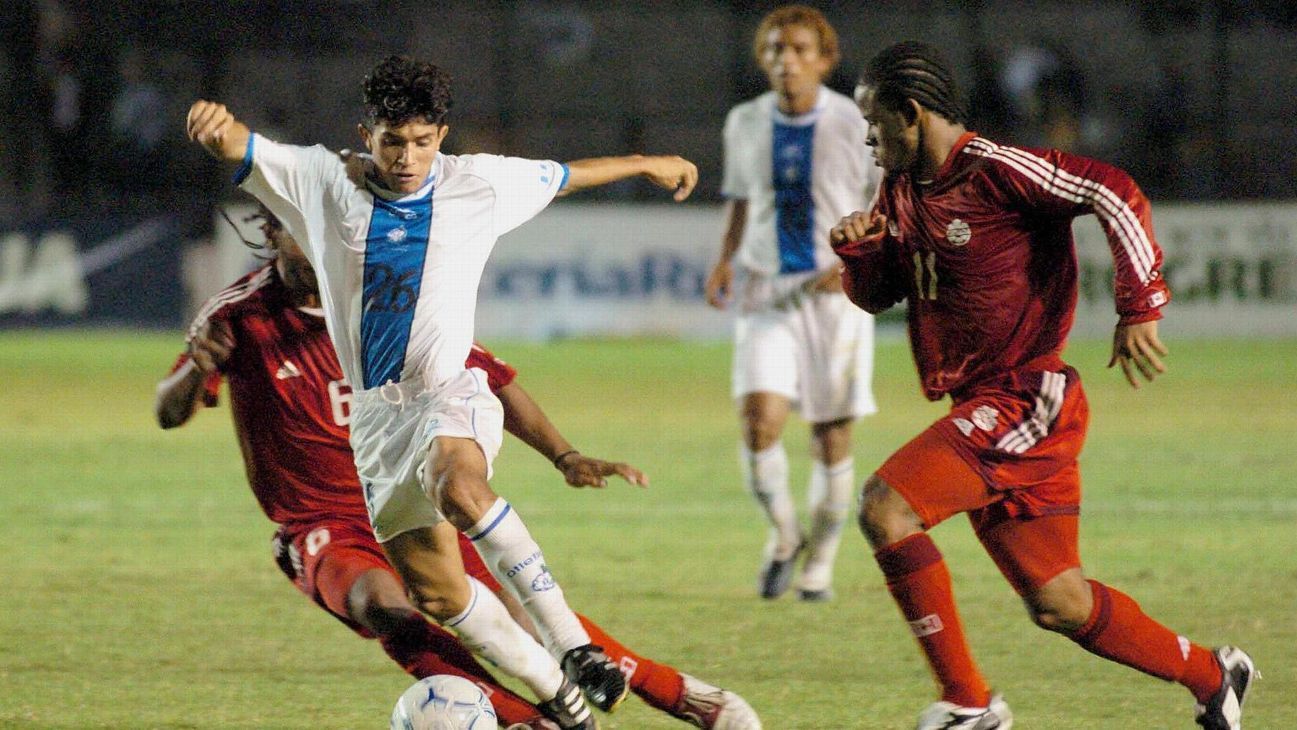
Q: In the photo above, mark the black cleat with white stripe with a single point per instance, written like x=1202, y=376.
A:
x=1224, y=711
x=568, y=709
x=601, y=681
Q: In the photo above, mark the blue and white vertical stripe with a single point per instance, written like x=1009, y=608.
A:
x=395, y=248
x=794, y=204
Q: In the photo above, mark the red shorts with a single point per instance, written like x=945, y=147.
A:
x=1007, y=455
x=324, y=560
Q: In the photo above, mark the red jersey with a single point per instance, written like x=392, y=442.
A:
x=290, y=402
x=984, y=257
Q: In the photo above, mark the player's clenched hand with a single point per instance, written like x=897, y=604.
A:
x=207, y=124
x=672, y=173
x=583, y=471
x=211, y=346
x=1136, y=348
x=861, y=226
x=719, y=284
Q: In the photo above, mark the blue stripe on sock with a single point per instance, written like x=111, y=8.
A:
x=472, y=602
x=491, y=526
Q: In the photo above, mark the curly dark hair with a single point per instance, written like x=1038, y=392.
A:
x=400, y=89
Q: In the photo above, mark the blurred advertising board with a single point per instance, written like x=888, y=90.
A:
x=582, y=269
x=106, y=270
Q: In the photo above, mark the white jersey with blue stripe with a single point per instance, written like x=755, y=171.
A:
x=799, y=175
x=398, y=274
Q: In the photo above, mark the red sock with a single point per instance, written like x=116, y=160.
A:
x=919, y=581
x=1118, y=630
x=659, y=685
x=423, y=650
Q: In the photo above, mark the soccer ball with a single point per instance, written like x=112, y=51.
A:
x=443, y=702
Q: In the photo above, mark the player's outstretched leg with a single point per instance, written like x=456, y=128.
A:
x=516, y=560
x=679, y=695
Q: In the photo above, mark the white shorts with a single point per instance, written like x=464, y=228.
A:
x=817, y=350
x=392, y=428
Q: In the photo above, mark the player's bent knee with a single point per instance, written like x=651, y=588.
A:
x=378, y=602
x=440, y=605
x=760, y=433
x=1063, y=604
x=884, y=515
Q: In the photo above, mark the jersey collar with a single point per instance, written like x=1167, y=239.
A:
x=379, y=190
x=801, y=120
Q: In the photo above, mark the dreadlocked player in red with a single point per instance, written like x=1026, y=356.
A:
x=265, y=335
x=976, y=238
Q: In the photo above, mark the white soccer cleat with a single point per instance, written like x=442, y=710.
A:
x=949, y=716
x=1224, y=711
x=708, y=706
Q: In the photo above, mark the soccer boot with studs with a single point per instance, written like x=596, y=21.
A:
x=776, y=575
x=601, y=681
x=568, y=709
x=706, y=706
x=1224, y=711
x=949, y=716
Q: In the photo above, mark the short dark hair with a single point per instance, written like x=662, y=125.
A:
x=918, y=71
x=400, y=89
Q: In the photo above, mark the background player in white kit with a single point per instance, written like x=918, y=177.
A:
x=398, y=247
x=793, y=165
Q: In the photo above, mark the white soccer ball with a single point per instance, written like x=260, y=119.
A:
x=443, y=702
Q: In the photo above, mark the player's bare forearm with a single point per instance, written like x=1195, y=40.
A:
x=669, y=172
x=524, y=419
x=213, y=126
x=179, y=396
x=1138, y=350
x=721, y=278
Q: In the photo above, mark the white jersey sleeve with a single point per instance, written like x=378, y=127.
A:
x=734, y=184
x=522, y=187
x=295, y=183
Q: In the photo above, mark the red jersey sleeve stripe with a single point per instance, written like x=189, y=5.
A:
x=225, y=297
x=1116, y=214
x=1096, y=192
x=1114, y=211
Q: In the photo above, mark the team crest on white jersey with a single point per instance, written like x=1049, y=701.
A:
x=958, y=233
x=396, y=235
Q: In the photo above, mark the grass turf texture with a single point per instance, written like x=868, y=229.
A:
x=139, y=590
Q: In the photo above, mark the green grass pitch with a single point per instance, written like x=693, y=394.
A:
x=138, y=589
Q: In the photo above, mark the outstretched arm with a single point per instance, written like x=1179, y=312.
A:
x=215, y=128
x=669, y=172
x=524, y=418
x=180, y=394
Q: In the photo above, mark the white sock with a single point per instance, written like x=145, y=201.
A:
x=516, y=561
x=829, y=496
x=765, y=473
x=489, y=631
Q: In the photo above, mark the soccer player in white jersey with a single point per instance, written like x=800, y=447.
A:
x=398, y=245
x=793, y=164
